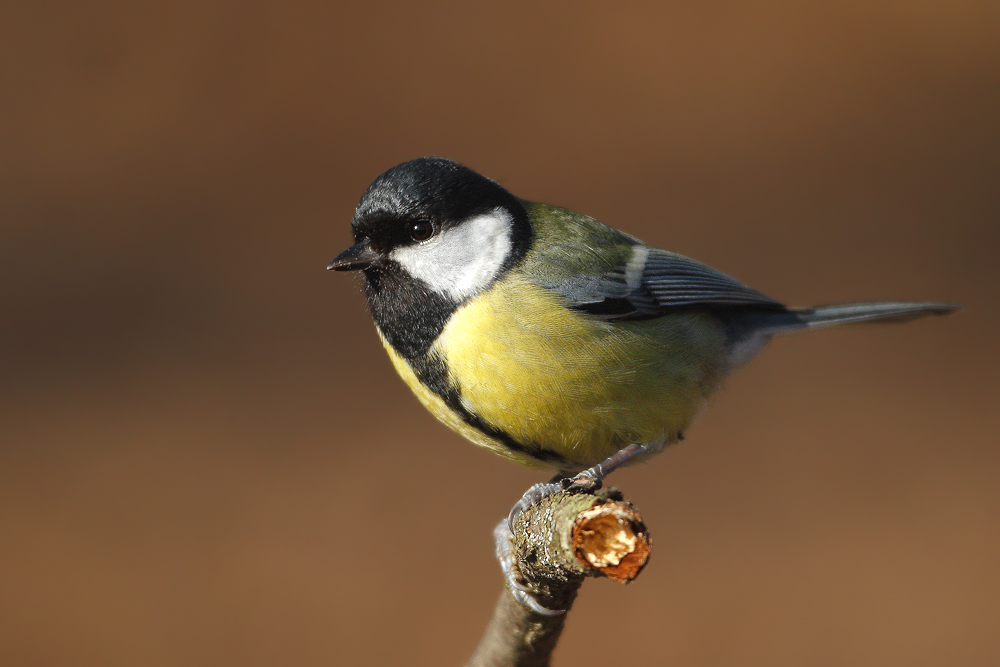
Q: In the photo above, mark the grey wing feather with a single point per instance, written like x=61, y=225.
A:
x=674, y=280
x=584, y=290
x=655, y=282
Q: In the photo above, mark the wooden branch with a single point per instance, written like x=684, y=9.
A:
x=557, y=543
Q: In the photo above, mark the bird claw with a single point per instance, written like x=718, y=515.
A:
x=512, y=575
x=588, y=481
x=532, y=497
x=585, y=482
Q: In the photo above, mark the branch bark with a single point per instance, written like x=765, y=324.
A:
x=560, y=541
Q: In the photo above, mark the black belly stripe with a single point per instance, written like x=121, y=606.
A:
x=410, y=317
x=534, y=451
x=432, y=372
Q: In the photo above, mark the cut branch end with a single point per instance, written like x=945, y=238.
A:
x=610, y=539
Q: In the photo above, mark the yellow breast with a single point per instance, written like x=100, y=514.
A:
x=557, y=379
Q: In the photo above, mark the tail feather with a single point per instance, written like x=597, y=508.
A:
x=851, y=313
x=749, y=333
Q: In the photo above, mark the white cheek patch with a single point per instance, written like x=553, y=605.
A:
x=461, y=260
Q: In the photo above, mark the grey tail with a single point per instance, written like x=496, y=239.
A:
x=851, y=313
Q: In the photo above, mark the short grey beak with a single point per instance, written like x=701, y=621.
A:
x=358, y=256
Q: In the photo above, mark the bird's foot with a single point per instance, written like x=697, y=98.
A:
x=532, y=497
x=588, y=481
x=512, y=575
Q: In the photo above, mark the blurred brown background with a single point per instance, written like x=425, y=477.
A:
x=207, y=459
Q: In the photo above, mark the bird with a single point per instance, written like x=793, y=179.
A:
x=550, y=338
x=546, y=336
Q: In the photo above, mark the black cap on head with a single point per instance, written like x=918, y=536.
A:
x=435, y=190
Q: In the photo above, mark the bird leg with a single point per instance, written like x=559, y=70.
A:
x=588, y=481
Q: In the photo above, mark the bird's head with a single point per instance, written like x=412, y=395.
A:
x=434, y=221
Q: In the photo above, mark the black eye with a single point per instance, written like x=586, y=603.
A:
x=421, y=231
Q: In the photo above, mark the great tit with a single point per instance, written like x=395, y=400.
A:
x=546, y=336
